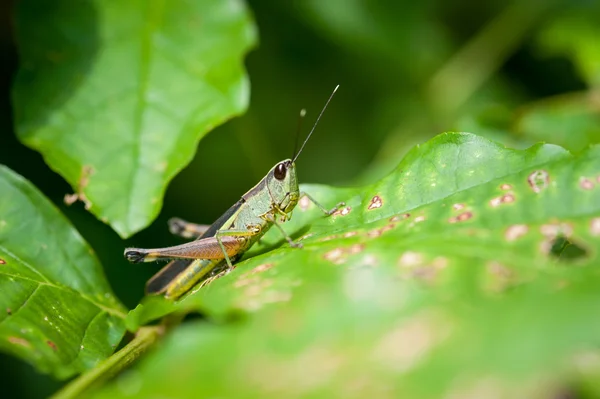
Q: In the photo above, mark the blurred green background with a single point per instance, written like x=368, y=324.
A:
x=517, y=72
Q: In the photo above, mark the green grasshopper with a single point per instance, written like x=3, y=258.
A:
x=268, y=203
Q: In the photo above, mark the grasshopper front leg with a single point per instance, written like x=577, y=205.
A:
x=269, y=217
x=321, y=207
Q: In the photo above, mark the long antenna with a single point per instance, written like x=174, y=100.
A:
x=316, y=122
x=298, y=130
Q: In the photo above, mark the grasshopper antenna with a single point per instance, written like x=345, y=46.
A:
x=316, y=122
x=298, y=130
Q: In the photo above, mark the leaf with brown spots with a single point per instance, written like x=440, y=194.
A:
x=488, y=203
x=489, y=273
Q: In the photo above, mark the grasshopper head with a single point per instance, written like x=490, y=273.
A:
x=283, y=185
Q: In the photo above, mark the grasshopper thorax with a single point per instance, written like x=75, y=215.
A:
x=283, y=185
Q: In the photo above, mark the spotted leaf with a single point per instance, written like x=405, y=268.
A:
x=443, y=279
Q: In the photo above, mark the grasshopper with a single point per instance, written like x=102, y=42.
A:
x=217, y=246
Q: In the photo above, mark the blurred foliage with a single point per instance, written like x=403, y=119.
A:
x=407, y=71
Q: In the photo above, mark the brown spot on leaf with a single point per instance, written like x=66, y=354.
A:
x=458, y=207
x=552, y=230
x=370, y=260
x=499, y=277
x=409, y=343
x=410, y=258
x=376, y=202
x=377, y=232
x=586, y=183
x=2, y=262
x=52, y=345
x=419, y=268
x=505, y=187
x=19, y=341
x=84, y=179
x=515, y=231
x=439, y=262
x=321, y=365
x=424, y=273
x=257, y=287
x=498, y=269
x=262, y=268
x=328, y=238
x=9, y=311
x=342, y=211
x=245, y=280
x=261, y=292
x=356, y=248
x=504, y=199
x=495, y=201
x=461, y=218
x=419, y=219
x=397, y=218
x=247, y=277
x=538, y=180
x=428, y=271
x=339, y=255
x=335, y=255
x=350, y=234
x=595, y=227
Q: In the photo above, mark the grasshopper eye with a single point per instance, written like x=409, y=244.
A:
x=280, y=171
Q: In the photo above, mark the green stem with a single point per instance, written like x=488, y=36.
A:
x=485, y=53
x=144, y=339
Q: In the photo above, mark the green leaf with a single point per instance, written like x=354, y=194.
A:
x=57, y=310
x=447, y=277
x=364, y=332
x=457, y=188
x=116, y=95
x=469, y=270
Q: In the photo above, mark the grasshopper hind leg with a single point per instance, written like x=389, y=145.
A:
x=205, y=248
x=135, y=255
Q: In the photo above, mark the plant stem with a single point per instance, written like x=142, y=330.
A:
x=144, y=339
x=485, y=53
